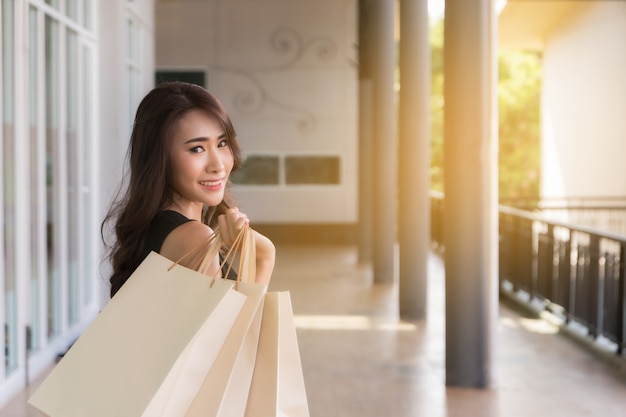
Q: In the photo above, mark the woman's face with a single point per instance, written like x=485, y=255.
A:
x=201, y=161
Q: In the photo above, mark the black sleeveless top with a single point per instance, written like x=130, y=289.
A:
x=162, y=225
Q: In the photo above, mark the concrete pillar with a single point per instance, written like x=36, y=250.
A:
x=414, y=158
x=366, y=171
x=470, y=187
x=384, y=142
x=366, y=134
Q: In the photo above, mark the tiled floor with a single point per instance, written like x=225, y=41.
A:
x=359, y=360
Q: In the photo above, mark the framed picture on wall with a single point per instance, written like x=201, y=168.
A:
x=194, y=77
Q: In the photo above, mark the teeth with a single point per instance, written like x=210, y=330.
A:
x=211, y=183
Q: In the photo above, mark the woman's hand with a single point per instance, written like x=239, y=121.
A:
x=230, y=224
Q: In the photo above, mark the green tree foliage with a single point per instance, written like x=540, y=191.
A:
x=436, y=99
x=519, y=89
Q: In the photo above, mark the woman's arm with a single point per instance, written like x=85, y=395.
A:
x=265, y=258
x=186, y=238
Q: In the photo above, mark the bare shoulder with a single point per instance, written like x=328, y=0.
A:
x=185, y=238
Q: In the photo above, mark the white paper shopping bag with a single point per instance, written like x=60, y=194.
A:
x=118, y=364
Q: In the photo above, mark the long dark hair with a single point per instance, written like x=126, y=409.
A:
x=147, y=189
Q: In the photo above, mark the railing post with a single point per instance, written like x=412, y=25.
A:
x=504, y=248
x=545, y=263
x=621, y=316
x=594, y=285
x=523, y=255
x=564, y=287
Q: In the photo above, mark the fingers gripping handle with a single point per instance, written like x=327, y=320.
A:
x=243, y=248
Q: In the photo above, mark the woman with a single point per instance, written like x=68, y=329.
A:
x=182, y=151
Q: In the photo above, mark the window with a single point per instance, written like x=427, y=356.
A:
x=9, y=186
x=59, y=199
x=37, y=184
x=53, y=176
x=48, y=226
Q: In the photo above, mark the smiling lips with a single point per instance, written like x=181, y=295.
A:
x=212, y=184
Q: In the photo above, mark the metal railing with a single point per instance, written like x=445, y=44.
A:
x=575, y=272
x=604, y=213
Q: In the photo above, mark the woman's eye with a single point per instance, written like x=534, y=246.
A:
x=223, y=143
x=197, y=149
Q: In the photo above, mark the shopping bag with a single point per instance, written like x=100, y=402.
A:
x=223, y=384
x=119, y=363
x=224, y=390
x=277, y=388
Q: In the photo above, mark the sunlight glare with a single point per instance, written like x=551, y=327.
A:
x=538, y=326
x=320, y=322
x=436, y=8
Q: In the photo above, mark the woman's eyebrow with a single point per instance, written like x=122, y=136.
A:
x=200, y=139
x=203, y=139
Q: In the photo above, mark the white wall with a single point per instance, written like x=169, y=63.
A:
x=113, y=108
x=116, y=103
x=584, y=105
x=118, y=93
x=286, y=72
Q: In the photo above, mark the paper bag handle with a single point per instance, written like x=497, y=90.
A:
x=243, y=245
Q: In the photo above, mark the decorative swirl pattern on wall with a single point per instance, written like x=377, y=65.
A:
x=251, y=97
x=286, y=41
x=248, y=99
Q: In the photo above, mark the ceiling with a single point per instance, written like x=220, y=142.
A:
x=527, y=23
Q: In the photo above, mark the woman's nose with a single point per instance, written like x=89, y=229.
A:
x=214, y=161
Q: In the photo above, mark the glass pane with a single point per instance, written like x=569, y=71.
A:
x=8, y=184
x=73, y=188
x=88, y=14
x=36, y=183
x=53, y=3
x=52, y=137
x=8, y=61
x=134, y=68
x=312, y=170
x=86, y=177
x=71, y=7
x=258, y=170
x=133, y=50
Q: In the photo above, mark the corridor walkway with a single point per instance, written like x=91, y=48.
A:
x=359, y=360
